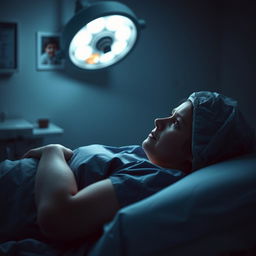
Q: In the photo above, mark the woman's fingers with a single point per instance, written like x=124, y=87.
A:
x=37, y=152
x=33, y=153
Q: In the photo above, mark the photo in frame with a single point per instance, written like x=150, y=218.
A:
x=49, y=52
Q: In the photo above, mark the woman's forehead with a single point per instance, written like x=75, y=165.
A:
x=184, y=108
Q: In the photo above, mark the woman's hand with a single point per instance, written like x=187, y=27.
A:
x=37, y=152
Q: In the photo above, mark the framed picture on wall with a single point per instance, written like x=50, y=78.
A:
x=8, y=47
x=49, y=52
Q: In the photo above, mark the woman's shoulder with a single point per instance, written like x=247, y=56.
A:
x=103, y=157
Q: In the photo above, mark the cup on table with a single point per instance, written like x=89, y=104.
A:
x=43, y=122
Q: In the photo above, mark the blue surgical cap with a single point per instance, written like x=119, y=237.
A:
x=219, y=130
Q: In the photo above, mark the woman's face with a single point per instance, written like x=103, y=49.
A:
x=169, y=143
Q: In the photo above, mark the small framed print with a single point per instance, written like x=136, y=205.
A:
x=8, y=47
x=49, y=52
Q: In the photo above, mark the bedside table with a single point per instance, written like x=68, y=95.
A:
x=18, y=135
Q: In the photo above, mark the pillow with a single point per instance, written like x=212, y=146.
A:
x=209, y=211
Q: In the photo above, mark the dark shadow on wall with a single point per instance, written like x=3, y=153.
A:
x=6, y=76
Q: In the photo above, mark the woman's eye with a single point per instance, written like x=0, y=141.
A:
x=176, y=124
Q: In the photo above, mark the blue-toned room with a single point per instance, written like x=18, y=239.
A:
x=127, y=128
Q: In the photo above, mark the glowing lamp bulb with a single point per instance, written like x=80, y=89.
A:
x=83, y=37
x=96, y=25
x=83, y=52
x=123, y=33
x=93, y=59
x=119, y=46
x=107, y=57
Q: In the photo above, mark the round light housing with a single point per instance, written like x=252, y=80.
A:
x=101, y=35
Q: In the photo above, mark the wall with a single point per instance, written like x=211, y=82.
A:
x=178, y=53
x=238, y=54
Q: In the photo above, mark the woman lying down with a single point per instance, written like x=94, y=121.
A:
x=72, y=194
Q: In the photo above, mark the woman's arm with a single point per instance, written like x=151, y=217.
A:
x=54, y=179
x=63, y=212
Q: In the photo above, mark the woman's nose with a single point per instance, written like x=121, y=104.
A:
x=161, y=123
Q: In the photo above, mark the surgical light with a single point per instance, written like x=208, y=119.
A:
x=101, y=34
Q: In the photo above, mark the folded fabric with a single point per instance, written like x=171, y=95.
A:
x=219, y=129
